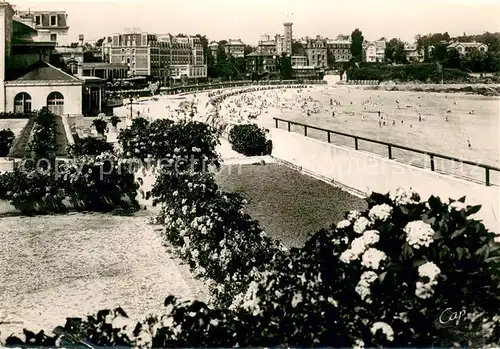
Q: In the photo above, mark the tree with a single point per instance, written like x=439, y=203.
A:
x=395, y=51
x=330, y=59
x=99, y=42
x=285, y=66
x=247, y=49
x=440, y=52
x=357, y=44
x=298, y=49
x=453, y=59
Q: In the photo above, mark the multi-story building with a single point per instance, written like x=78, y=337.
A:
x=214, y=48
x=374, y=51
x=161, y=56
x=267, y=45
x=466, y=48
x=299, y=61
x=280, y=44
x=316, y=50
x=340, y=48
x=288, y=37
x=413, y=54
x=50, y=25
x=260, y=63
x=28, y=81
x=103, y=70
x=235, y=48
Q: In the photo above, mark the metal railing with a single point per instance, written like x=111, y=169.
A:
x=391, y=146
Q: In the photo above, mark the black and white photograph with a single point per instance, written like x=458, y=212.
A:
x=250, y=174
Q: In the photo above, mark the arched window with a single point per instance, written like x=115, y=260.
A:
x=55, y=103
x=22, y=103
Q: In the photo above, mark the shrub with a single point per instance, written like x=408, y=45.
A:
x=92, y=183
x=10, y=115
x=42, y=142
x=90, y=146
x=100, y=125
x=249, y=140
x=115, y=120
x=6, y=140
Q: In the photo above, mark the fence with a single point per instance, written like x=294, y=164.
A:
x=362, y=82
x=390, y=147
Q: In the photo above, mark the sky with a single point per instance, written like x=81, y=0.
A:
x=248, y=19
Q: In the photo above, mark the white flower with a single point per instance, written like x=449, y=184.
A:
x=347, y=256
x=343, y=224
x=358, y=344
x=297, y=298
x=363, y=286
x=361, y=224
x=184, y=209
x=262, y=234
x=404, y=196
x=372, y=258
x=358, y=246
x=353, y=215
x=195, y=253
x=385, y=328
x=370, y=237
x=457, y=206
x=380, y=212
x=175, y=193
x=423, y=290
x=418, y=234
x=429, y=270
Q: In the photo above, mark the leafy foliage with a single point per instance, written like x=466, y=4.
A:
x=6, y=140
x=43, y=138
x=100, y=125
x=357, y=45
x=115, y=120
x=249, y=140
x=90, y=146
x=87, y=183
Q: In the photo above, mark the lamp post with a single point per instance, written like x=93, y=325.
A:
x=131, y=99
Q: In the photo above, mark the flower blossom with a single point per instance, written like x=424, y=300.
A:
x=380, y=212
x=370, y=237
x=361, y=224
x=404, y=196
x=363, y=286
x=353, y=215
x=457, y=206
x=372, y=258
x=343, y=224
x=418, y=234
x=385, y=328
x=429, y=271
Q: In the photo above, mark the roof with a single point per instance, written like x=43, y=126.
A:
x=87, y=65
x=45, y=18
x=42, y=71
x=466, y=44
x=258, y=54
x=235, y=42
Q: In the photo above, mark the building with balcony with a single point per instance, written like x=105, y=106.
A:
x=106, y=71
x=299, y=61
x=50, y=25
x=153, y=55
x=287, y=37
x=235, y=48
x=260, y=63
x=340, y=48
x=374, y=51
x=467, y=48
x=413, y=54
x=316, y=51
x=28, y=81
x=267, y=45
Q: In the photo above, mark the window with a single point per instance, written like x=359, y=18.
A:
x=38, y=20
x=53, y=20
x=55, y=103
x=53, y=37
x=22, y=103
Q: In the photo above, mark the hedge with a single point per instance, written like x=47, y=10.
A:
x=249, y=140
x=423, y=72
x=381, y=277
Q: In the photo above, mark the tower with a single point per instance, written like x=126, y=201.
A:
x=288, y=34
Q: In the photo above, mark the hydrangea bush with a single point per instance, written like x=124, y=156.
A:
x=89, y=146
x=250, y=140
x=383, y=277
x=91, y=183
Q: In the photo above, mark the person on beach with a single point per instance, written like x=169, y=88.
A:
x=419, y=117
x=468, y=143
